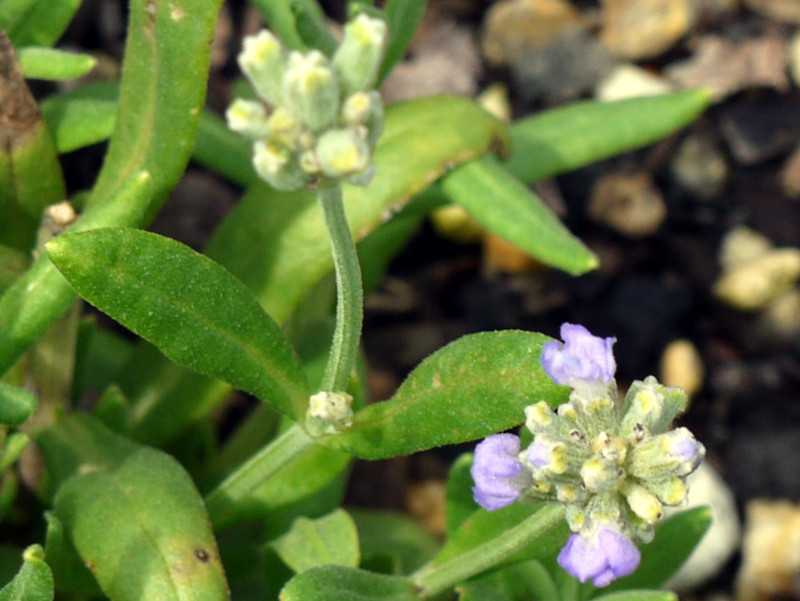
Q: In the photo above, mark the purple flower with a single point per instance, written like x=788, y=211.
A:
x=610, y=555
x=499, y=475
x=582, y=357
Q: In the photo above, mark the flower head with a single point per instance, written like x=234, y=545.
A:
x=614, y=463
x=499, y=475
x=604, y=557
x=582, y=358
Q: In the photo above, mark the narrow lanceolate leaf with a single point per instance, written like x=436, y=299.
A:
x=133, y=514
x=505, y=206
x=81, y=117
x=191, y=308
x=338, y=583
x=16, y=405
x=473, y=387
x=161, y=96
x=566, y=138
x=33, y=582
x=403, y=17
x=49, y=64
x=36, y=22
x=41, y=295
x=30, y=174
x=638, y=595
x=329, y=540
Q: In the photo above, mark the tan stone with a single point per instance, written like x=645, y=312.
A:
x=629, y=203
x=753, y=285
x=682, y=366
x=513, y=27
x=770, y=552
x=640, y=29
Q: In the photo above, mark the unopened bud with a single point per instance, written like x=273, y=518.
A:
x=673, y=454
x=310, y=87
x=341, y=153
x=284, y=128
x=248, y=118
x=332, y=408
x=263, y=60
x=644, y=503
x=277, y=166
x=359, y=56
x=651, y=405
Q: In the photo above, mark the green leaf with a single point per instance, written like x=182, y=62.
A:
x=33, y=582
x=480, y=591
x=505, y=206
x=280, y=16
x=563, y=139
x=329, y=540
x=41, y=295
x=81, y=117
x=638, y=595
x=484, y=528
x=164, y=80
x=12, y=264
x=49, y=64
x=36, y=22
x=69, y=571
x=393, y=534
x=13, y=447
x=473, y=387
x=313, y=30
x=675, y=539
x=191, y=308
x=133, y=514
x=220, y=149
x=339, y=583
x=16, y=405
x=459, y=501
x=30, y=174
x=403, y=17
x=275, y=242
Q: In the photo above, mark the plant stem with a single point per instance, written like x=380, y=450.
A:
x=436, y=577
x=224, y=499
x=349, y=292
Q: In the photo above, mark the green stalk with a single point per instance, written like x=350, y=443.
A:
x=223, y=500
x=434, y=577
x=349, y=292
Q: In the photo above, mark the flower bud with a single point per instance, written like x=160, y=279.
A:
x=643, y=503
x=263, y=60
x=359, y=56
x=652, y=406
x=672, y=454
x=248, y=118
x=499, y=476
x=333, y=408
x=600, y=476
x=277, y=166
x=672, y=491
x=364, y=109
x=341, y=153
x=284, y=128
x=311, y=89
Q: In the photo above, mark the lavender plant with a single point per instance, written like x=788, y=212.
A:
x=140, y=499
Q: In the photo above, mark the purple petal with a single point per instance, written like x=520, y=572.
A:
x=622, y=555
x=582, y=357
x=498, y=474
x=609, y=556
x=582, y=559
x=539, y=454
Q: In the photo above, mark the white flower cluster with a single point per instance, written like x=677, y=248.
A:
x=318, y=118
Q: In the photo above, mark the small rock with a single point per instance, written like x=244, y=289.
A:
x=446, y=62
x=793, y=49
x=755, y=284
x=494, y=100
x=700, y=166
x=760, y=129
x=770, y=552
x=630, y=81
x=501, y=256
x=453, y=223
x=514, y=27
x=779, y=324
x=726, y=67
x=741, y=245
x=790, y=174
x=682, y=366
x=640, y=29
x=722, y=538
x=563, y=69
x=629, y=203
x=786, y=11
x=425, y=501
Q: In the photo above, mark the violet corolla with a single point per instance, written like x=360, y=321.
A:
x=614, y=464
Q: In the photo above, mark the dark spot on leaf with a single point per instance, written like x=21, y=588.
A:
x=202, y=555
